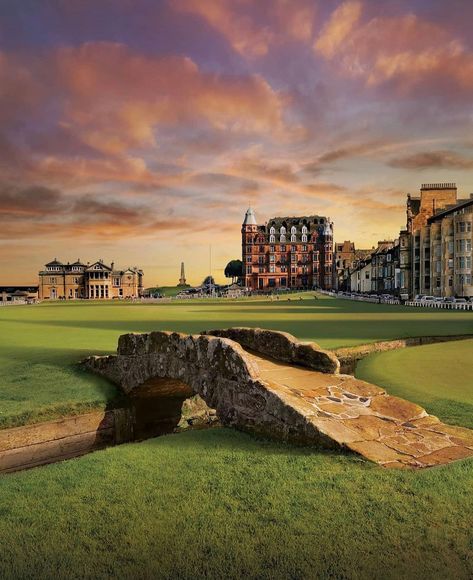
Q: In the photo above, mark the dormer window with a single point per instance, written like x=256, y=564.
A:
x=282, y=230
x=293, y=230
x=272, y=239
x=282, y=239
x=293, y=237
x=304, y=237
x=304, y=229
x=272, y=230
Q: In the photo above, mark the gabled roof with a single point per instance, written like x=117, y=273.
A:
x=55, y=262
x=103, y=266
x=78, y=263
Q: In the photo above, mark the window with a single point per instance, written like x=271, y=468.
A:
x=271, y=248
x=293, y=237
x=248, y=269
x=282, y=238
x=271, y=258
x=304, y=237
x=282, y=231
x=293, y=248
x=272, y=231
x=272, y=268
x=272, y=239
x=76, y=280
x=248, y=259
x=293, y=230
x=52, y=280
x=283, y=248
x=304, y=229
x=116, y=279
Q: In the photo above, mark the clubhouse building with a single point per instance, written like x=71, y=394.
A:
x=96, y=281
x=287, y=252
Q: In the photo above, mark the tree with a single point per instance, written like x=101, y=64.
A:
x=208, y=281
x=234, y=270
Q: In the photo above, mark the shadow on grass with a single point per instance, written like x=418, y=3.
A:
x=337, y=333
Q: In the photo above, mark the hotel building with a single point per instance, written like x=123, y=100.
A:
x=287, y=252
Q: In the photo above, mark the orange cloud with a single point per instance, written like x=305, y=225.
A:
x=336, y=30
x=406, y=49
x=117, y=111
x=250, y=36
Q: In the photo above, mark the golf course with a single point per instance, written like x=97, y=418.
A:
x=218, y=503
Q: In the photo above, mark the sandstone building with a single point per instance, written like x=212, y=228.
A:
x=287, y=252
x=433, y=255
x=88, y=281
x=436, y=247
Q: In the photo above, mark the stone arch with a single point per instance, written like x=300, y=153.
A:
x=222, y=373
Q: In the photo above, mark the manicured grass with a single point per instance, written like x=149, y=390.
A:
x=220, y=504
x=437, y=376
x=41, y=345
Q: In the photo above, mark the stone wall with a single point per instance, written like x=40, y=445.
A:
x=282, y=346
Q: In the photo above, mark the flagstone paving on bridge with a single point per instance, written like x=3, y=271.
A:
x=386, y=429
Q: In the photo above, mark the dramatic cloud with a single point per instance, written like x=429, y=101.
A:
x=252, y=26
x=140, y=130
x=432, y=159
x=337, y=29
x=404, y=49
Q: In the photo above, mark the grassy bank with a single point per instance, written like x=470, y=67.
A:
x=437, y=376
x=219, y=504
x=41, y=345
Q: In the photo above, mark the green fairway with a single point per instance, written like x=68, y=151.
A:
x=220, y=504
x=437, y=376
x=41, y=345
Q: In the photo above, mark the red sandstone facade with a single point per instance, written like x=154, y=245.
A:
x=287, y=252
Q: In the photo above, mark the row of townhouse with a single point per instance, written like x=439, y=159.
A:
x=432, y=256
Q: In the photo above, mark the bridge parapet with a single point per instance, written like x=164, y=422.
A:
x=281, y=346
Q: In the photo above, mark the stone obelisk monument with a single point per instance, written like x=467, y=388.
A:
x=182, y=279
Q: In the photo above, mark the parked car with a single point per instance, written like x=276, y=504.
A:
x=460, y=300
x=418, y=297
x=427, y=299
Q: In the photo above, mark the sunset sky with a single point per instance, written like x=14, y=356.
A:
x=138, y=131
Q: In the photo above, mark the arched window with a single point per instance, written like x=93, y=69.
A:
x=272, y=239
x=282, y=239
x=304, y=229
x=282, y=230
x=293, y=237
x=293, y=230
x=272, y=231
x=304, y=238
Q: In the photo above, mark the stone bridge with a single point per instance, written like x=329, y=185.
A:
x=270, y=384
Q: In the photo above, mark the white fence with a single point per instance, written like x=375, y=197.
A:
x=442, y=305
x=12, y=302
x=417, y=303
